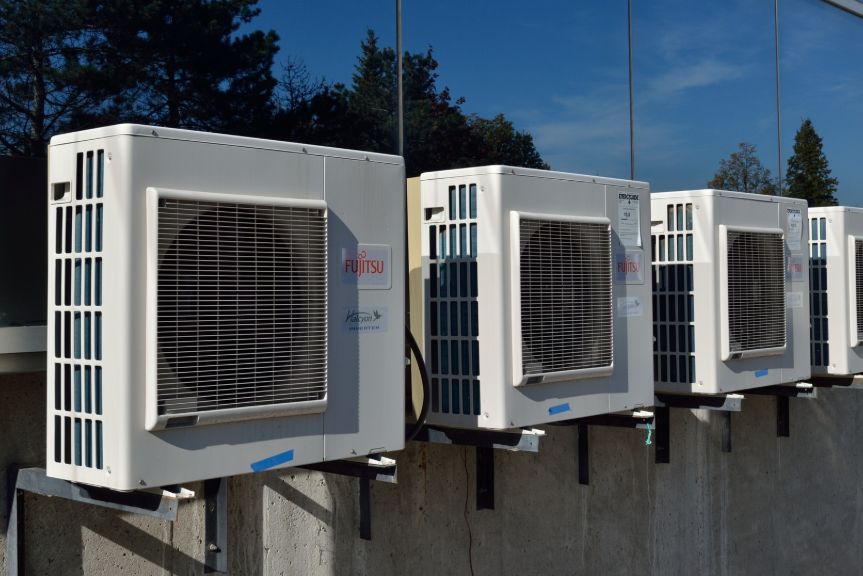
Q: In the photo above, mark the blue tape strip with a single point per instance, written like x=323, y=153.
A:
x=272, y=461
x=760, y=373
x=558, y=409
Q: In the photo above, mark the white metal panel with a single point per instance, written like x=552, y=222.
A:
x=835, y=233
x=495, y=398
x=705, y=363
x=135, y=159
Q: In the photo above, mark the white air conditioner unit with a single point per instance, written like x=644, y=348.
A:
x=220, y=305
x=537, y=304
x=836, y=261
x=730, y=286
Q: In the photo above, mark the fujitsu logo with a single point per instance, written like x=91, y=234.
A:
x=362, y=266
x=629, y=265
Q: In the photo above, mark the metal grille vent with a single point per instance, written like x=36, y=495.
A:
x=674, y=297
x=858, y=268
x=756, y=291
x=453, y=306
x=566, y=296
x=76, y=303
x=242, y=317
x=819, y=322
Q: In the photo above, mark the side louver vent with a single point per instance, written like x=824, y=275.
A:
x=242, y=317
x=566, y=296
x=77, y=319
x=756, y=291
x=453, y=319
x=858, y=268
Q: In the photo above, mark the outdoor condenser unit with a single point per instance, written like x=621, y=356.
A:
x=220, y=305
x=836, y=261
x=537, y=305
x=730, y=284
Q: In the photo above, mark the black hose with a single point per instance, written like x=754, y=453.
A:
x=415, y=428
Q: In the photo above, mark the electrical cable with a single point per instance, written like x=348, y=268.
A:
x=415, y=428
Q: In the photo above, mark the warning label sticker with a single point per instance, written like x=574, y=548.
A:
x=629, y=219
x=794, y=233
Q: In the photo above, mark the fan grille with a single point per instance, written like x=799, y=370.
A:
x=756, y=290
x=242, y=317
x=566, y=296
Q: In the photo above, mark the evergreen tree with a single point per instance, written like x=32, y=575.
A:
x=48, y=70
x=743, y=172
x=808, y=175
x=72, y=64
x=438, y=134
x=183, y=64
x=503, y=144
x=373, y=97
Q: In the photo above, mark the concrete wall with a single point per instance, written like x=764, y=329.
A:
x=772, y=506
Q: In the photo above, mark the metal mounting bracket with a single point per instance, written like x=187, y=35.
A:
x=485, y=442
x=851, y=381
x=373, y=467
x=216, y=526
x=638, y=419
x=783, y=394
x=723, y=403
x=161, y=504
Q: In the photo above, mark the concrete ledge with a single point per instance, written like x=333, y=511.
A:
x=22, y=349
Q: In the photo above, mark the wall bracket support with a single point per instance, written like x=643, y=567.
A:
x=485, y=442
x=162, y=504
x=638, y=419
x=722, y=403
x=374, y=467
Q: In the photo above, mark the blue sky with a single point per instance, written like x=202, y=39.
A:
x=704, y=75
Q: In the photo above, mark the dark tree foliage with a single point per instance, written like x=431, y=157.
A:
x=49, y=70
x=743, y=172
x=808, y=175
x=503, y=144
x=73, y=64
x=184, y=65
x=438, y=134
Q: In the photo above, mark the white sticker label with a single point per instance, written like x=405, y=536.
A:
x=629, y=268
x=795, y=229
x=795, y=268
x=629, y=219
x=794, y=300
x=629, y=306
x=368, y=266
x=365, y=319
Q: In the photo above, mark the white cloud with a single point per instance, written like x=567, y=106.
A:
x=589, y=133
x=705, y=73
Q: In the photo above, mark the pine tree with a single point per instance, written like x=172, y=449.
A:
x=373, y=97
x=47, y=70
x=743, y=172
x=808, y=175
x=186, y=64
x=438, y=133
